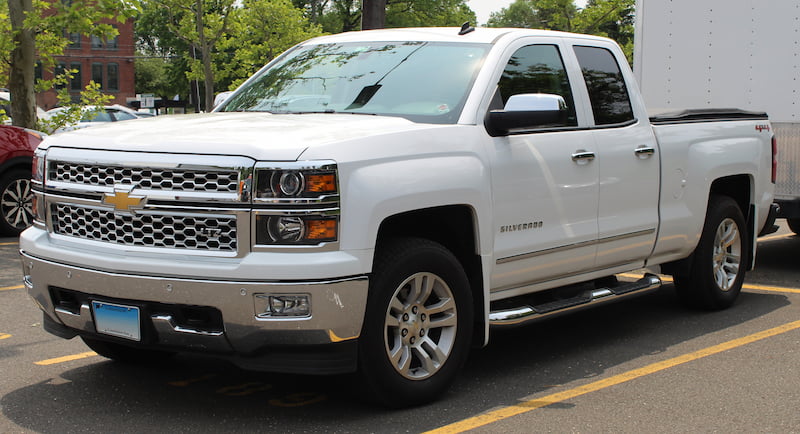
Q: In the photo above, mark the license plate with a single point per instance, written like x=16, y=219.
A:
x=117, y=320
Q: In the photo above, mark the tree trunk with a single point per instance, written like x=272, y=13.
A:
x=208, y=80
x=23, y=61
x=205, y=51
x=373, y=14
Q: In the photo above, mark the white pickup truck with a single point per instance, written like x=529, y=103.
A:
x=377, y=201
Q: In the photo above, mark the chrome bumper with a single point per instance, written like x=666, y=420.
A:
x=337, y=310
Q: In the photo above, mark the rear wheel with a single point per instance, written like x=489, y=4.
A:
x=125, y=354
x=717, y=268
x=418, y=324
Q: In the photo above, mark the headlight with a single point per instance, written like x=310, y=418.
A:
x=288, y=230
x=301, y=183
x=38, y=166
x=37, y=184
x=296, y=203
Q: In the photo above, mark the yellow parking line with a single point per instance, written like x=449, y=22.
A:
x=66, y=358
x=524, y=407
x=4, y=336
x=775, y=237
x=8, y=244
x=771, y=288
x=745, y=286
x=9, y=288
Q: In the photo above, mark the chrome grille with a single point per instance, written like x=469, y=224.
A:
x=208, y=233
x=151, y=179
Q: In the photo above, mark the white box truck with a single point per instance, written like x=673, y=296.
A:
x=722, y=53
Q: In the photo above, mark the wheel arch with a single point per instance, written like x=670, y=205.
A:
x=740, y=189
x=21, y=162
x=454, y=227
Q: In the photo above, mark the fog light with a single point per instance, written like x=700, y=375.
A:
x=283, y=305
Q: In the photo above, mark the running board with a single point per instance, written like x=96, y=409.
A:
x=527, y=313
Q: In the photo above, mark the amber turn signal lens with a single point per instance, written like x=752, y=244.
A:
x=321, y=229
x=325, y=183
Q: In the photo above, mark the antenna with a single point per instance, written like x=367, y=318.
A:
x=466, y=28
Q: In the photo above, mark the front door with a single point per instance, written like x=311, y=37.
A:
x=545, y=183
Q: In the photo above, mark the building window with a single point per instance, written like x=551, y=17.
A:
x=77, y=82
x=74, y=40
x=111, y=44
x=37, y=70
x=97, y=74
x=97, y=42
x=59, y=70
x=112, y=74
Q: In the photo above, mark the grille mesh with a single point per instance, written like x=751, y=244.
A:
x=181, y=232
x=153, y=179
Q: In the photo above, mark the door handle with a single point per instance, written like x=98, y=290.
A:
x=582, y=156
x=644, y=151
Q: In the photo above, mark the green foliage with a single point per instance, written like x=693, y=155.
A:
x=428, y=13
x=160, y=76
x=71, y=113
x=609, y=18
x=263, y=30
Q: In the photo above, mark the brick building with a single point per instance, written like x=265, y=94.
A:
x=109, y=62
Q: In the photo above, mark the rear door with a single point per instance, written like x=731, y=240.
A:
x=628, y=159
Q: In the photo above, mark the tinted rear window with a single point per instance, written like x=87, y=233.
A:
x=608, y=93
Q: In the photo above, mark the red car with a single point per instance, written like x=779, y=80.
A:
x=16, y=153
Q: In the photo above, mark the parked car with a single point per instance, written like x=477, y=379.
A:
x=94, y=115
x=16, y=154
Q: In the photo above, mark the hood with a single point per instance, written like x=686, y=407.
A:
x=261, y=136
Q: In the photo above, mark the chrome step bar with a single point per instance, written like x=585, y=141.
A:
x=526, y=313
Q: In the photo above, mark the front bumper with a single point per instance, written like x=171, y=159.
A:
x=210, y=316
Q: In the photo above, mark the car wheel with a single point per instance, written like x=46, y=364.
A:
x=418, y=324
x=123, y=353
x=717, y=267
x=16, y=202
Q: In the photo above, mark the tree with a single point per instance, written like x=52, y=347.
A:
x=536, y=14
x=163, y=58
x=609, y=18
x=202, y=24
x=346, y=15
x=38, y=29
x=427, y=13
x=263, y=30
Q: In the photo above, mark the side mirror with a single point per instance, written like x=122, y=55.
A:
x=525, y=112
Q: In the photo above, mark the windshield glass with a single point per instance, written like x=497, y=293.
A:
x=420, y=81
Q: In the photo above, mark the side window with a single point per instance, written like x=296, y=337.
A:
x=537, y=69
x=608, y=94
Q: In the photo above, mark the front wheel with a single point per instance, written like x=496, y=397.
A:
x=418, y=324
x=717, y=268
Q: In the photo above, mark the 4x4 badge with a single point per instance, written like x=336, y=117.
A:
x=122, y=200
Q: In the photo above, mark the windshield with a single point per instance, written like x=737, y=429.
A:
x=420, y=81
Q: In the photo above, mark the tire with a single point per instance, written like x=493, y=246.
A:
x=16, y=202
x=418, y=324
x=794, y=225
x=125, y=354
x=717, y=269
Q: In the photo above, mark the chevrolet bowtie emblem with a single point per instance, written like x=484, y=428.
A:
x=122, y=200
